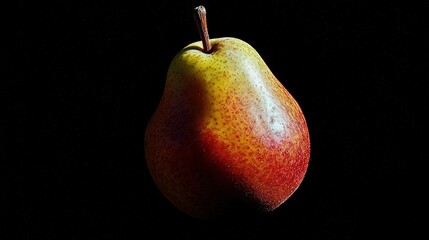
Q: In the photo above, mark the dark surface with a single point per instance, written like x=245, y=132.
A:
x=79, y=83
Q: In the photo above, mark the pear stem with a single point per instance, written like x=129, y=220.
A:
x=200, y=16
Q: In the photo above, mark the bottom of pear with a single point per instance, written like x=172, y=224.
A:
x=234, y=210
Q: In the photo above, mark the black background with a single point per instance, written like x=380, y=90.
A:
x=80, y=82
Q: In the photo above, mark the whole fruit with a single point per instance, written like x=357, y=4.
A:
x=226, y=134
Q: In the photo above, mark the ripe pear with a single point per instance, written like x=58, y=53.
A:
x=226, y=134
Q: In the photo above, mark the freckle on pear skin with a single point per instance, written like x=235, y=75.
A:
x=226, y=132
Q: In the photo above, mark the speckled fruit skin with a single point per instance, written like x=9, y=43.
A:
x=226, y=133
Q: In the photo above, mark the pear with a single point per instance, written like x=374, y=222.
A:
x=226, y=135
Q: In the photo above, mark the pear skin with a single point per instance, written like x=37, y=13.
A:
x=226, y=133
